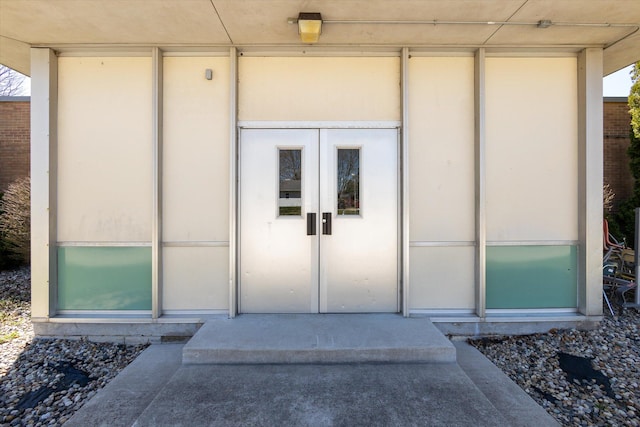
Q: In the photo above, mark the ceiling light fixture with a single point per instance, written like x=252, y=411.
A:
x=309, y=26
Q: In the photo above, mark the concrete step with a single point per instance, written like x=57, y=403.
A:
x=318, y=338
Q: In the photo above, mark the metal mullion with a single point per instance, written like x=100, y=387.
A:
x=156, y=219
x=233, y=183
x=321, y=284
x=404, y=184
x=480, y=183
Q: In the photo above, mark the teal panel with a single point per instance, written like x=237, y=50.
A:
x=531, y=277
x=104, y=278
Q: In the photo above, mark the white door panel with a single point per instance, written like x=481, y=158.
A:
x=278, y=261
x=283, y=269
x=359, y=259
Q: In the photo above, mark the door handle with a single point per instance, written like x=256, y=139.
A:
x=311, y=224
x=326, y=223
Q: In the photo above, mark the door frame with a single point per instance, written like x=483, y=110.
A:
x=236, y=226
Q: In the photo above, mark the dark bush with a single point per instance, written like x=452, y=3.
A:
x=624, y=218
x=15, y=224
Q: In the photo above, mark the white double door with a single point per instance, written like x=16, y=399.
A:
x=318, y=220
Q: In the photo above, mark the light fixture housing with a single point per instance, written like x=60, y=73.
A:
x=544, y=23
x=309, y=26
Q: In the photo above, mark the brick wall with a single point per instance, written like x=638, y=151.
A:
x=15, y=134
x=617, y=125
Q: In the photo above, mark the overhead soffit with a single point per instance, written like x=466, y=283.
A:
x=258, y=21
x=261, y=22
x=566, y=12
x=622, y=54
x=15, y=54
x=521, y=35
x=114, y=21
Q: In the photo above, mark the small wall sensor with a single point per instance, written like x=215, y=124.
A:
x=208, y=74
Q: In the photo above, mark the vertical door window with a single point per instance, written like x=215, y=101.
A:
x=348, y=181
x=290, y=183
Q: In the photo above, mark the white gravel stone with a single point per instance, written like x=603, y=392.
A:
x=615, y=351
x=27, y=364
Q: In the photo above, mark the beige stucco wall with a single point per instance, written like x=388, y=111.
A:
x=195, y=278
x=104, y=146
x=532, y=149
x=319, y=89
x=441, y=182
x=196, y=183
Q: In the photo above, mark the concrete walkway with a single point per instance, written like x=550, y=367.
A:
x=159, y=389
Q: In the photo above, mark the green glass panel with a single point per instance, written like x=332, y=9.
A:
x=104, y=278
x=531, y=277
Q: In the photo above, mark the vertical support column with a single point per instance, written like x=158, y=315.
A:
x=590, y=181
x=480, y=164
x=44, y=159
x=156, y=220
x=404, y=168
x=233, y=180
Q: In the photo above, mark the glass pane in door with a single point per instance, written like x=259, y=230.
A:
x=348, y=181
x=290, y=187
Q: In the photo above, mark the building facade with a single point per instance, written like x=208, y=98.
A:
x=452, y=179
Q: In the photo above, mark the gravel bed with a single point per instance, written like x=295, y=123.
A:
x=603, y=392
x=43, y=382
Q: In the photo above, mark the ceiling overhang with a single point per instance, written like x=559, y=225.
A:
x=613, y=25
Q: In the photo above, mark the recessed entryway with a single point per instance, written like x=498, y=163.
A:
x=318, y=220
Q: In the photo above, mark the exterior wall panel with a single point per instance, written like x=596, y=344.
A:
x=532, y=149
x=195, y=278
x=196, y=150
x=319, y=89
x=442, y=278
x=104, y=149
x=441, y=163
x=441, y=182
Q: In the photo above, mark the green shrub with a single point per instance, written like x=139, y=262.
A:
x=6, y=262
x=625, y=219
x=15, y=224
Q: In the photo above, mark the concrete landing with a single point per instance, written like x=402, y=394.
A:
x=330, y=338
